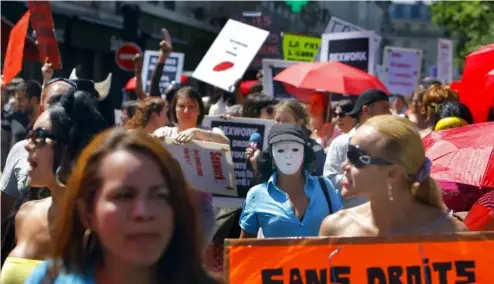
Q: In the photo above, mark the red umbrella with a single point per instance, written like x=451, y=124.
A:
x=463, y=155
x=331, y=76
x=479, y=61
x=472, y=92
x=481, y=216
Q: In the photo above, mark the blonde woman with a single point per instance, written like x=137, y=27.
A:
x=386, y=162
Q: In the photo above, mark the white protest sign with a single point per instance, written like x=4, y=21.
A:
x=207, y=166
x=356, y=49
x=402, y=69
x=239, y=131
x=271, y=68
x=337, y=25
x=230, y=55
x=172, y=71
x=445, y=60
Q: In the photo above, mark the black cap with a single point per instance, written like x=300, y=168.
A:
x=287, y=132
x=367, y=98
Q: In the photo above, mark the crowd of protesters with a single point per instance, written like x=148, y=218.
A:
x=84, y=200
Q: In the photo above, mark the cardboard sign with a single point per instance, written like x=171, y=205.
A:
x=445, y=61
x=426, y=259
x=356, y=49
x=402, y=69
x=230, y=55
x=207, y=166
x=42, y=22
x=271, y=68
x=172, y=71
x=15, y=49
x=239, y=131
x=299, y=47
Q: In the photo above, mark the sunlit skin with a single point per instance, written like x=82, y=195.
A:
x=382, y=215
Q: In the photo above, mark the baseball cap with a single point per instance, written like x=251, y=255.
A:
x=286, y=132
x=366, y=98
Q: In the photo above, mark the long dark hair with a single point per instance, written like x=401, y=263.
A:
x=75, y=120
x=181, y=261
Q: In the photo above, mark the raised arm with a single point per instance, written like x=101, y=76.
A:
x=165, y=50
x=141, y=95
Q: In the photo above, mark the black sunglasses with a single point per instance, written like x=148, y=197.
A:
x=360, y=159
x=70, y=82
x=339, y=114
x=39, y=136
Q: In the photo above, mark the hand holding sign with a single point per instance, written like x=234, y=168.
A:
x=166, y=45
x=47, y=70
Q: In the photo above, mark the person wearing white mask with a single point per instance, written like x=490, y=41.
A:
x=289, y=202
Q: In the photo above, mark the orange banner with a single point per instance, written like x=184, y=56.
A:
x=434, y=259
x=15, y=49
x=42, y=22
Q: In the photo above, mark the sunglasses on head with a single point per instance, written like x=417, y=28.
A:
x=39, y=136
x=70, y=82
x=360, y=159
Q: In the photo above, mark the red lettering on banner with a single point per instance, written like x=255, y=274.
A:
x=216, y=163
x=400, y=65
x=402, y=75
x=395, y=54
x=197, y=159
x=406, y=84
x=187, y=156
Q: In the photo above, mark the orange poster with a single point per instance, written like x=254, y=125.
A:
x=439, y=259
x=42, y=23
x=15, y=49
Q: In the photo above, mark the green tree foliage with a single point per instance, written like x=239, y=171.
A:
x=470, y=22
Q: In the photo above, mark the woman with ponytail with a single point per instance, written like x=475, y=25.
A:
x=386, y=162
x=58, y=136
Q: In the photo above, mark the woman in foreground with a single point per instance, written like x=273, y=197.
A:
x=128, y=216
x=386, y=162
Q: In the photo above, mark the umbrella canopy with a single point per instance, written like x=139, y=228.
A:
x=463, y=155
x=481, y=216
x=474, y=80
x=331, y=76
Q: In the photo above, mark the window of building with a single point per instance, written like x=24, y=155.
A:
x=415, y=12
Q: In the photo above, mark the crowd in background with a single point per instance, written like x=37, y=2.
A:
x=113, y=206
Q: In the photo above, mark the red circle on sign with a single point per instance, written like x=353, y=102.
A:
x=125, y=54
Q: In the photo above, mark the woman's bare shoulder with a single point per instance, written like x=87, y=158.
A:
x=336, y=224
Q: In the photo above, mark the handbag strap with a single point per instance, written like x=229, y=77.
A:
x=324, y=188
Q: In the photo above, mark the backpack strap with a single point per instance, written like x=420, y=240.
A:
x=324, y=188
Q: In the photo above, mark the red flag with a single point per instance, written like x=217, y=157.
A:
x=15, y=49
x=42, y=22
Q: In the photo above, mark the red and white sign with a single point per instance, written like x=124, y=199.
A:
x=402, y=68
x=445, y=60
x=125, y=55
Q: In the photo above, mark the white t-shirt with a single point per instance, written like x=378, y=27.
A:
x=14, y=176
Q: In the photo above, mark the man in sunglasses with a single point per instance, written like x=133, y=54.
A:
x=370, y=103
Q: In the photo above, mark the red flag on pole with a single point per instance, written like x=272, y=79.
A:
x=15, y=49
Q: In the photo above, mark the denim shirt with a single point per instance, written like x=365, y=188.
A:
x=268, y=207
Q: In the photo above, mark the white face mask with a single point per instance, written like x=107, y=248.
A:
x=288, y=156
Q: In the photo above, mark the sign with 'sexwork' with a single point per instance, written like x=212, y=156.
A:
x=239, y=131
